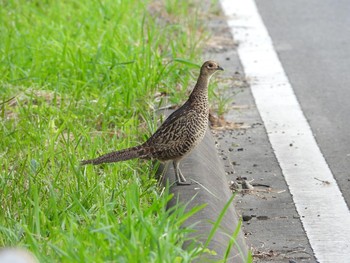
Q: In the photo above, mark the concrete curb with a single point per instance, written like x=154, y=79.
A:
x=209, y=186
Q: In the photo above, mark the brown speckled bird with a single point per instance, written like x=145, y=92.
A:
x=179, y=133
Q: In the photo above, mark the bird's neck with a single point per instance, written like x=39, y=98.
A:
x=200, y=91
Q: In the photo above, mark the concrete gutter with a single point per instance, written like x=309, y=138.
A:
x=209, y=186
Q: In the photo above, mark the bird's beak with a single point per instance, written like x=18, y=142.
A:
x=220, y=68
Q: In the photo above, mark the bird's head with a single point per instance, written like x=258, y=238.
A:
x=210, y=67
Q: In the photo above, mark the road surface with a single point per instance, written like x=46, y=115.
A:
x=312, y=39
x=306, y=52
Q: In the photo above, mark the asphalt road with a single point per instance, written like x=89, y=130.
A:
x=271, y=224
x=312, y=39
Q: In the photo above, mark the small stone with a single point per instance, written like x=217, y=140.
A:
x=247, y=185
x=246, y=218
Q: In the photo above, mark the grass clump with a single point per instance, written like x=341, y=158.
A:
x=79, y=78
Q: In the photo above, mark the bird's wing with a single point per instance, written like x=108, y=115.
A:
x=173, y=127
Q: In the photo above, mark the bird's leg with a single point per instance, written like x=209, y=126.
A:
x=180, y=178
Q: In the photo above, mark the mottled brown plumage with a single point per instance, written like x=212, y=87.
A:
x=179, y=133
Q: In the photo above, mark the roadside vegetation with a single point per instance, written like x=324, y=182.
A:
x=78, y=79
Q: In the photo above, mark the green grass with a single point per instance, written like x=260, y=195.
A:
x=84, y=77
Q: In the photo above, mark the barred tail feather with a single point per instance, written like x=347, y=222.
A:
x=118, y=156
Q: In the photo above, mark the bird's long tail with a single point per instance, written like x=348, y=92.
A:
x=118, y=156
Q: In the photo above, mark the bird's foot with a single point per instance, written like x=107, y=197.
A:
x=183, y=183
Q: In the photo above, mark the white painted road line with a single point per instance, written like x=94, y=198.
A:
x=321, y=206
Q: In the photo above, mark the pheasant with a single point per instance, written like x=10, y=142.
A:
x=179, y=134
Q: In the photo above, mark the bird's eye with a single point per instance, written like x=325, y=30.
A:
x=210, y=65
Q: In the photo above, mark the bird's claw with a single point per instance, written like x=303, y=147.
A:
x=183, y=183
